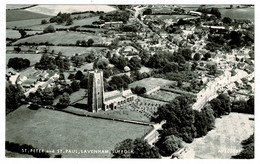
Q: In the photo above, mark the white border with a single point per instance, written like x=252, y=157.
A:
x=2, y=86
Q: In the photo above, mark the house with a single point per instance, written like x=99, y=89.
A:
x=111, y=25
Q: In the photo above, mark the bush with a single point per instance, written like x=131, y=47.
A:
x=49, y=29
x=44, y=21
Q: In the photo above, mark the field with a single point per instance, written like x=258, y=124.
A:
x=52, y=130
x=81, y=22
x=24, y=23
x=69, y=51
x=34, y=58
x=16, y=6
x=55, y=9
x=243, y=13
x=18, y=15
x=224, y=141
x=60, y=37
x=14, y=34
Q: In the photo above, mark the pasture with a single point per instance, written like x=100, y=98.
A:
x=70, y=51
x=24, y=23
x=53, y=130
x=34, y=58
x=14, y=34
x=80, y=22
x=18, y=15
x=60, y=37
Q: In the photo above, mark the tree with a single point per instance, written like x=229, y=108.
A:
x=227, y=20
x=49, y=29
x=143, y=150
x=69, y=21
x=17, y=49
x=23, y=33
x=207, y=110
x=123, y=149
x=171, y=144
x=139, y=90
x=215, y=12
x=206, y=56
x=44, y=21
x=201, y=123
x=186, y=53
x=135, y=63
x=18, y=63
x=71, y=76
x=90, y=42
x=147, y=11
x=196, y=57
x=75, y=86
x=47, y=97
x=14, y=97
x=79, y=75
x=64, y=100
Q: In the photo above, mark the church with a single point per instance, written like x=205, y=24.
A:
x=100, y=100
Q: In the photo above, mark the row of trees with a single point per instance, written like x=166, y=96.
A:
x=18, y=63
x=85, y=43
x=116, y=16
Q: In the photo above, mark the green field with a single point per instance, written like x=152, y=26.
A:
x=60, y=37
x=52, y=130
x=18, y=15
x=34, y=58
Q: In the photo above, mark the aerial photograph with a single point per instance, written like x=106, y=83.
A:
x=165, y=81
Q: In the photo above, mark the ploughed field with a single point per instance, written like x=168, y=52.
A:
x=53, y=130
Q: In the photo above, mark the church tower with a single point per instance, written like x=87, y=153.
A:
x=95, y=91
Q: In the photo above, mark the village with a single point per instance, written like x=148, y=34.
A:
x=152, y=57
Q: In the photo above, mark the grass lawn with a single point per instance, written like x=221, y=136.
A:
x=60, y=37
x=34, y=58
x=165, y=96
x=150, y=83
x=224, y=141
x=122, y=113
x=52, y=130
